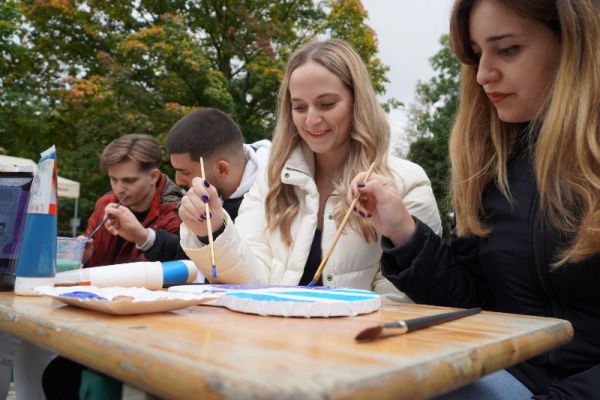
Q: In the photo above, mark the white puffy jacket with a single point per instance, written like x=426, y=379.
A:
x=247, y=254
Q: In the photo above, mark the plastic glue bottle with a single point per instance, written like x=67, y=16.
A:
x=151, y=275
x=36, y=264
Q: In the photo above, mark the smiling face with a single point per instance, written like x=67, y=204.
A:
x=322, y=108
x=518, y=58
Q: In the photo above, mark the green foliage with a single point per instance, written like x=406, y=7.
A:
x=79, y=73
x=432, y=119
x=23, y=111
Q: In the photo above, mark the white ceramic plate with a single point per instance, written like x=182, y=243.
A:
x=123, y=301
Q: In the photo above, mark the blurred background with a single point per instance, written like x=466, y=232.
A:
x=79, y=73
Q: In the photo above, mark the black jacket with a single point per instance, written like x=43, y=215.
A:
x=510, y=271
x=167, y=246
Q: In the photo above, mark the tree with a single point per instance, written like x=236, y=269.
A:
x=23, y=110
x=90, y=70
x=431, y=121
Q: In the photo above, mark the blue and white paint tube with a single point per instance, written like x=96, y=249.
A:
x=152, y=275
x=36, y=264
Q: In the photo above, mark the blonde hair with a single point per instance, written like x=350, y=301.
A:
x=369, y=136
x=567, y=150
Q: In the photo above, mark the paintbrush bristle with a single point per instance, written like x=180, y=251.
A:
x=369, y=334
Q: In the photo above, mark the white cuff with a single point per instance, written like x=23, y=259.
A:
x=149, y=241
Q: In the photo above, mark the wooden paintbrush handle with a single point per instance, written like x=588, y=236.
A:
x=338, y=233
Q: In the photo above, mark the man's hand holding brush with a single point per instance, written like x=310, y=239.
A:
x=89, y=245
x=122, y=222
x=380, y=203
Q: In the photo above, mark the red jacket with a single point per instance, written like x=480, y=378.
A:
x=162, y=215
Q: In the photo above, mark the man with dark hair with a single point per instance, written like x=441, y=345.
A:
x=229, y=165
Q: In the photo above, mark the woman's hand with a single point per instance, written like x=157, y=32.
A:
x=193, y=212
x=381, y=204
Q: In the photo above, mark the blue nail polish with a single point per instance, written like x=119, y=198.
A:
x=206, y=184
x=361, y=185
x=205, y=198
x=369, y=215
x=361, y=214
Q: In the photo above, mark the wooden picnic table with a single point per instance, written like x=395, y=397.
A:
x=210, y=352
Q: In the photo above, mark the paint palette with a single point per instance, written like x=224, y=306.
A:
x=288, y=301
x=123, y=301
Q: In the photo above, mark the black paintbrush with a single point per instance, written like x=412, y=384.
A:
x=401, y=327
x=96, y=229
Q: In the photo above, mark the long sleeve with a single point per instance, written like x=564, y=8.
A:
x=239, y=261
x=430, y=271
x=584, y=385
x=166, y=247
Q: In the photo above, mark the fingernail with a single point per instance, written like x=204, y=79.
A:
x=206, y=183
x=369, y=215
x=361, y=185
x=361, y=214
x=205, y=198
x=354, y=209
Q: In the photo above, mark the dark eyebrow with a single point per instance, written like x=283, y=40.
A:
x=496, y=38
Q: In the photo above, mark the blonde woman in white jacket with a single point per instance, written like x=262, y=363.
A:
x=329, y=127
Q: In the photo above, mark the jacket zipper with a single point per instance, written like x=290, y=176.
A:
x=297, y=170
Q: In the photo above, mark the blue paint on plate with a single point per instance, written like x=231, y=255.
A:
x=83, y=295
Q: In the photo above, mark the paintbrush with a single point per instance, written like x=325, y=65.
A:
x=409, y=325
x=69, y=284
x=338, y=233
x=209, y=227
x=106, y=217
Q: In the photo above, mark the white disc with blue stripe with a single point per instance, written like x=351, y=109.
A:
x=290, y=301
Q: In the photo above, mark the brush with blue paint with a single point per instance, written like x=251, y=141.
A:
x=209, y=228
x=410, y=325
x=338, y=233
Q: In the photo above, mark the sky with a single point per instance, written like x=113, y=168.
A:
x=408, y=33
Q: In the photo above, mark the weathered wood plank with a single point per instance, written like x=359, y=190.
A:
x=215, y=353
